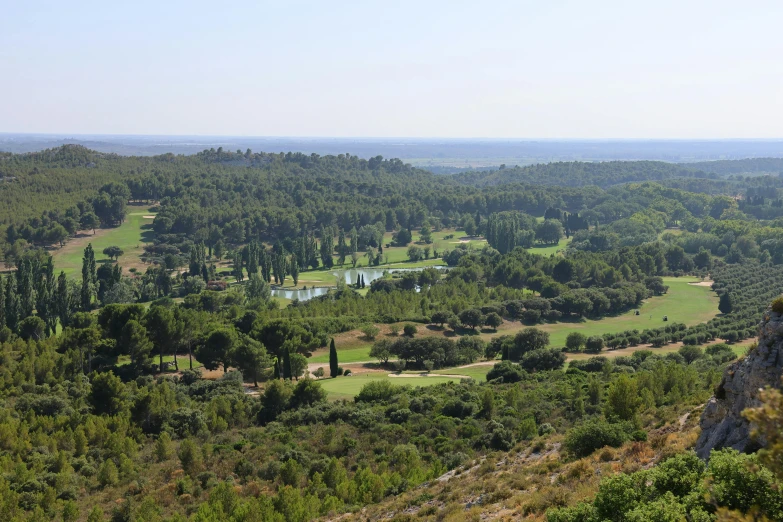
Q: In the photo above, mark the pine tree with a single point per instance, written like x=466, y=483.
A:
x=333, y=365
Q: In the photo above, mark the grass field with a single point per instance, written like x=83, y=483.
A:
x=550, y=249
x=683, y=303
x=130, y=237
x=353, y=354
x=476, y=372
x=349, y=387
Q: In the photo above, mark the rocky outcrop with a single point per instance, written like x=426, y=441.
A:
x=722, y=423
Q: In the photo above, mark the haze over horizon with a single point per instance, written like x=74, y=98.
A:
x=521, y=70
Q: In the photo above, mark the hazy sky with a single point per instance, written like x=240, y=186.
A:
x=524, y=69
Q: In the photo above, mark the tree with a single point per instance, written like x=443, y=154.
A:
x=88, y=221
x=410, y=330
x=594, y=344
x=575, y=341
x=381, y=350
x=134, y=341
x=543, y=359
x=216, y=349
x=107, y=394
x=528, y=340
x=440, y=318
x=250, y=357
x=415, y=253
x=333, y=364
x=89, y=277
x=257, y=288
x=402, y=237
x=425, y=235
x=493, y=320
x=319, y=372
x=549, y=232
x=370, y=331
x=298, y=364
x=622, y=399
x=113, y=252
x=163, y=448
x=471, y=317
x=306, y=393
x=32, y=327
x=164, y=329
x=726, y=303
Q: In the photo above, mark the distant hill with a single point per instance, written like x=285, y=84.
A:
x=578, y=174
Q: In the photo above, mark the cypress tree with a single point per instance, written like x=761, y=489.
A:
x=362, y=280
x=25, y=289
x=277, y=368
x=725, y=305
x=11, y=305
x=287, y=365
x=2, y=304
x=295, y=270
x=62, y=300
x=333, y=365
x=89, y=277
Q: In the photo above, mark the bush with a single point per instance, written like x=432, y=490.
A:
x=410, y=330
x=575, y=341
x=507, y=371
x=370, y=331
x=594, y=344
x=380, y=390
x=584, y=439
x=777, y=305
x=543, y=359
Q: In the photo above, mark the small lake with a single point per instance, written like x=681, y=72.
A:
x=301, y=294
x=371, y=274
x=349, y=276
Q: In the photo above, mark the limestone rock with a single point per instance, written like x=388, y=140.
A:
x=722, y=423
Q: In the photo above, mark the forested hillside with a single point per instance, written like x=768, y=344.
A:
x=297, y=337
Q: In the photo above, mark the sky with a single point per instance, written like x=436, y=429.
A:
x=686, y=69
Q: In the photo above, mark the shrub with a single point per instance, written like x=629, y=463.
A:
x=575, y=341
x=585, y=438
x=777, y=305
x=507, y=371
x=410, y=330
x=370, y=331
x=594, y=344
x=380, y=390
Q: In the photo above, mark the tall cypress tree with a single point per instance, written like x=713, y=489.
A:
x=2, y=304
x=62, y=300
x=333, y=365
x=295, y=270
x=342, y=248
x=287, y=365
x=89, y=277
x=25, y=289
x=11, y=305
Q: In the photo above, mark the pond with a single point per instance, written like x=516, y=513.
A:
x=349, y=276
x=371, y=274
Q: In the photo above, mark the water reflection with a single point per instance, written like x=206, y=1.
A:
x=350, y=277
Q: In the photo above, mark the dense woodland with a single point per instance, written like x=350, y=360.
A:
x=105, y=416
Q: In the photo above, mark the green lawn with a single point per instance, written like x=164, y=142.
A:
x=349, y=387
x=477, y=372
x=344, y=356
x=130, y=237
x=182, y=360
x=550, y=249
x=683, y=303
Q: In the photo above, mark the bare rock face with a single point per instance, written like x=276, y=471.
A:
x=722, y=423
